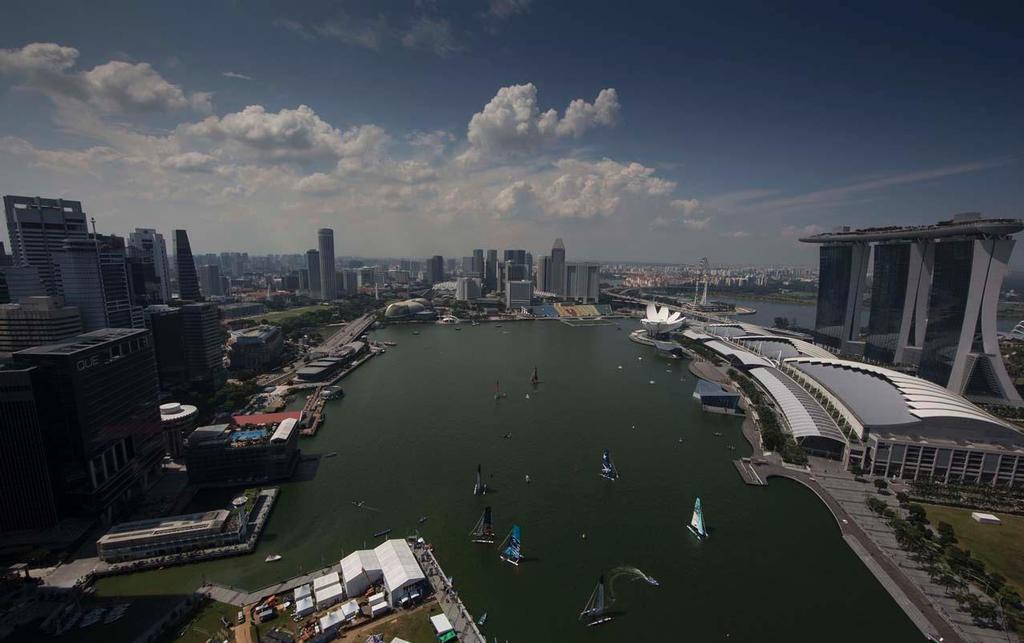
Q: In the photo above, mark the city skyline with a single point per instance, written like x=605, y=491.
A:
x=728, y=143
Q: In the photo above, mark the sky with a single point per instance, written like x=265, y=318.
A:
x=658, y=131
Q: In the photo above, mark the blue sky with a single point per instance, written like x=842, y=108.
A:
x=634, y=130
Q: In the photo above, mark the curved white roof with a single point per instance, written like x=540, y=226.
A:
x=923, y=399
x=804, y=415
x=662, y=319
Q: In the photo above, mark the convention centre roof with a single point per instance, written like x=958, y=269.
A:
x=804, y=415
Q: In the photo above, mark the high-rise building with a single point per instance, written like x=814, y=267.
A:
x=5, y=259
x=518, y=294
x=36, y=321
x=491, y=271
x=478, y=262
x=467, y=289
x=313, y=268
x=467, y=266
x=188, y=280
x=543, y=273
x=350, y=282
x=935, y=294
x=19, y=282
x=38, y=228
x=121, y=310
x=165, y=323
x=583, y=282
x=203, y=340
x=27, y=501
x=303, y=279
x=556, y=277
x=100, y=421
x=209, y=280
x=328, y=272
x=148, y=245
x=435, y=269
x=80, y=281
x=365, y=277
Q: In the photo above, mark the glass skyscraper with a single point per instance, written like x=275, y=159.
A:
x=835, y=265
x=888, y=296
x=951, y=280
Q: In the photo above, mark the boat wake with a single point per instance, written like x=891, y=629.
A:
x=632, y=573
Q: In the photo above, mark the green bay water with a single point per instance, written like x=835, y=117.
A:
x=416, y=421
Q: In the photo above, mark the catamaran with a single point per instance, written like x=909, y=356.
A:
x=594, y=613
x=535, y=378
x=480, y=488
x=608, y=470
x=483, y=532
x=512, y=548
x=697, y=525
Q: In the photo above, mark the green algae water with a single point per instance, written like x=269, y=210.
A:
x=415, y=423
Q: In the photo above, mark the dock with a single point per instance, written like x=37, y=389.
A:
x=748, y=473
x=447, y=597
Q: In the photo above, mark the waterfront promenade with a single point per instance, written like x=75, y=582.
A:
x=447, y=596
x=761, y=466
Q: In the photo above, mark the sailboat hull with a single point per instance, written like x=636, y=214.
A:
x=696, y=533
x=483, y=539
x=609, y=476
x=510, y=561
x=600, y=621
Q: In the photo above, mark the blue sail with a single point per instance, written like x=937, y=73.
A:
x=697, y=521
x=513, y=552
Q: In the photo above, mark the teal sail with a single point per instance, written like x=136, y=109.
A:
x=512, y=552
x=697, y=525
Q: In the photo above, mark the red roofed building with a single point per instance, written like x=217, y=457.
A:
x=266, y=418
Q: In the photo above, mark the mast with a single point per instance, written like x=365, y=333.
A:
x=483, y=532
x=593, y=611
x=535, y=378
x=479, y=488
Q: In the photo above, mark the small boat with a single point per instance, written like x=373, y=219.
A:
x=382, y=532
x=331, y=454
x=497, y=390
x=651, y=580
x=483, y=532
x=273, y=558
x=512, y=548
x=527, y=396
x=508, y=436
x=482, y=619
x=527, y=478
x=718, y=433
x=595, y=611
x=620, y=367
x=423, y=519
x=651, y=382
x=608, y=470
x=358, y=503
x=697, y=521
x=415, y=332
x=458, y=328
x=480, y=488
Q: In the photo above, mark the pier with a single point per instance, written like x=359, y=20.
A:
x=447, y=597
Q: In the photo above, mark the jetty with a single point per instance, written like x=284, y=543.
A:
x=447, y=597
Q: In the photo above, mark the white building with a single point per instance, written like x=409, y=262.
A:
x=403, y=578
x=360, y=570
x=329, y=595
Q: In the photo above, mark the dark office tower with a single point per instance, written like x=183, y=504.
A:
x=209, y=280
x=529, y=266
x=120, y=308
x=435, y=269
x=478, y=261
x=77, y=273
x=888, y=297
x=556, y=277
x=27, y=501
x=841, y=275
x=203, y=345
x=20, y=282
x=491, y=271
x=167, y=327
x=101, y=421
x=38, y=228
x=350, y=282
x=328, y=273
x=188, y=281
x=303, y=274
x=543, y=273
x=147, y=245
x=313, y=267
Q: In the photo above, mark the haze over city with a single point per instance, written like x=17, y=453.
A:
x=653, y=132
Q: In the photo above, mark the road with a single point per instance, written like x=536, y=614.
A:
x=349, y=333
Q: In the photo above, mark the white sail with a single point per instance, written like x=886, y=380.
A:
x=697, y=521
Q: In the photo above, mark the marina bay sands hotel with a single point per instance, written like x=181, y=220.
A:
x=934, y=294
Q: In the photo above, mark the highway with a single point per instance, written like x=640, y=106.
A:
x=349, y=333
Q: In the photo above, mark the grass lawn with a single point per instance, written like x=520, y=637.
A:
x=277, y=316
x=1000, y=547
x=205, y=625
x=414, y=627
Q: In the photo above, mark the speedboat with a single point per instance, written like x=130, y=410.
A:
x=527, y=477
x=651, y=580
x=273, y=558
